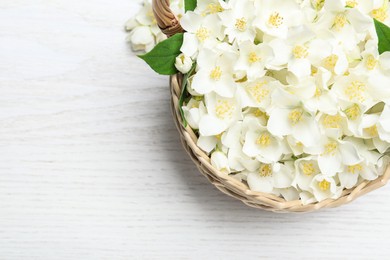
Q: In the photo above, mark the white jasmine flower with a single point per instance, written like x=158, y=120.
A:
x=238, y=21
x=306, y=169
x=253, y=59
x=258, y=94
x=371, y=60
x=221, y=114
x=337, y=153
x=333, y=125
x=289, y=118
x=262, y=144
x=354, y=89
x=325, y=187
x=183, y=63
x=348, y=25
x=200, y=32
x=269, y=177
x=296, y=51
x=215, y=73
x=276, y=17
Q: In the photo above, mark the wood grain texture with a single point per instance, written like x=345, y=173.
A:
x=91, y=166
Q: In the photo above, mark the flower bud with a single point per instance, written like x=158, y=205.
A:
x=183, y=63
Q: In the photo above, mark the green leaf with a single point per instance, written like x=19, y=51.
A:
x=383, y=32
x=163, y=57
x=189, y=5
x=184, y=91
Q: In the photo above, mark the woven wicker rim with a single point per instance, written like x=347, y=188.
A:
x=170, y=25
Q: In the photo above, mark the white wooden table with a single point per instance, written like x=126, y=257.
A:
x=91, y=166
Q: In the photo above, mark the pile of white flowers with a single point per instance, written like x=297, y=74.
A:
x=289, y=96
x=144, y=32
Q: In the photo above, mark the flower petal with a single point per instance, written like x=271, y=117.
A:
x=259, y=183
x=210, y=125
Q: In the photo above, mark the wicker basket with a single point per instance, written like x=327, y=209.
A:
x=170, y=25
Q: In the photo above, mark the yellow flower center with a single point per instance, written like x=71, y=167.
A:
x=259, y=92
x=324, y=185
x=300, y=52
x=216, y=73
x=353, y=112
x=355, y=91
x=265, y=170
x=253, y=58
x=224, y=109
x=241, y=24
x=295, y=116
x=264, y=140
x=330, y=148
x=332, y=121
x=202, y=34
x=355, y=168
x=352, y=3
x=308, y=169
x=331, y=61
x=380, y=14
x=372, y=131
x=275, y=20
x=214, y=8
x=219, y=137
x=340, y=21
x=371, y=62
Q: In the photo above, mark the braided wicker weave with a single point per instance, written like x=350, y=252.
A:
x=170, y=25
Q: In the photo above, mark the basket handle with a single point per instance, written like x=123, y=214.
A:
x=166, y=19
